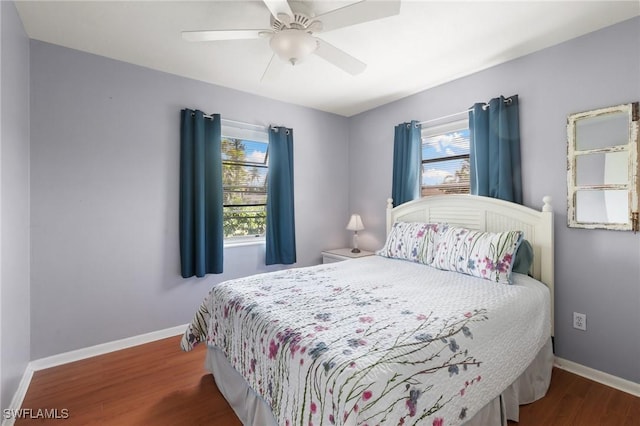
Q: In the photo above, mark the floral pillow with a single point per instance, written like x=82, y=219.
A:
x=480, y=254
x=413, y=241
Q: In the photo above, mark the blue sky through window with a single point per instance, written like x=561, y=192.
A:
x=439, y=147
x=255, y=152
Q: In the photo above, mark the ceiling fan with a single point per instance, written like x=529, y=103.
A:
x=291, y=35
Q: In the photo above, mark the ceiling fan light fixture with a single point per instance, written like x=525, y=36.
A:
x=293, y=45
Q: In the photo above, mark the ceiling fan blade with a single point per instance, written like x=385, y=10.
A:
x=273, y=69
x=278, y=6
x=339, y=58
x=215, y=35
x=357, y=13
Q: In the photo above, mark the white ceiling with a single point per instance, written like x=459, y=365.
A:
x=427, y=44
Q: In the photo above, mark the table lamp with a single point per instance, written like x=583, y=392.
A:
x=355, y=225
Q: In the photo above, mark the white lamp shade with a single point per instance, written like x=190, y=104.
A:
x=355, y=223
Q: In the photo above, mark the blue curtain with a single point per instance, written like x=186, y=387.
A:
x=201, y=232
x=407, y=163
x=281, y=227
x=495, y=149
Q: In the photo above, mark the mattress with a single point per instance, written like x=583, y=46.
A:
x=375, y=340
x=253, y=410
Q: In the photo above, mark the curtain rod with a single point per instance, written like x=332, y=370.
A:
x=445, y=116
x=243, y=123
x=485, y=106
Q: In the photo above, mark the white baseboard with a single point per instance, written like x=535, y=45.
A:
x=599, y=376
x=79, y=354
x=104, y=348
x=18, y=397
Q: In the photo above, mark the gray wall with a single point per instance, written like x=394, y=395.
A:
x=14, y=202
x=597, y=272
x=104, y=195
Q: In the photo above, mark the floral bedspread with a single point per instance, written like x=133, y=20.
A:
x=374, y=340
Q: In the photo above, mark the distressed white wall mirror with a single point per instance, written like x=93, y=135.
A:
x=602, y=163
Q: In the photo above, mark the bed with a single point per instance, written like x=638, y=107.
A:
x=390, y=340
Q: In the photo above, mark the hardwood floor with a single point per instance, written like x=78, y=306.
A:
x=157, y=384
x=574, y=400
x=152, y=384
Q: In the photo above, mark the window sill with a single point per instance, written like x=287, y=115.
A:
x=242, y=242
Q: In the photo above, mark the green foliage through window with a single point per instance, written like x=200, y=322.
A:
x=244, y=182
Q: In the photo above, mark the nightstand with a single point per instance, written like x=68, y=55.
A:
x=338, y=255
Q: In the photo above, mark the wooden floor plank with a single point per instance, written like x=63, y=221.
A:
x=158, y=384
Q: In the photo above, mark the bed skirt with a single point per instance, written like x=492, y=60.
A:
x=252, y=410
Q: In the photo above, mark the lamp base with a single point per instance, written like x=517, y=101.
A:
x=355, y=250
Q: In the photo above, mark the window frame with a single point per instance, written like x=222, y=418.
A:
x=442, y=129
x=242, y=132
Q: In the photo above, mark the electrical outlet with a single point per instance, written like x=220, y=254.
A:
x=580, y=321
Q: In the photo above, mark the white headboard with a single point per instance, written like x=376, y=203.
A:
x=491, y=215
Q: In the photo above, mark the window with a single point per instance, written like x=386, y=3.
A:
x=445, y=159
x=244, y=182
